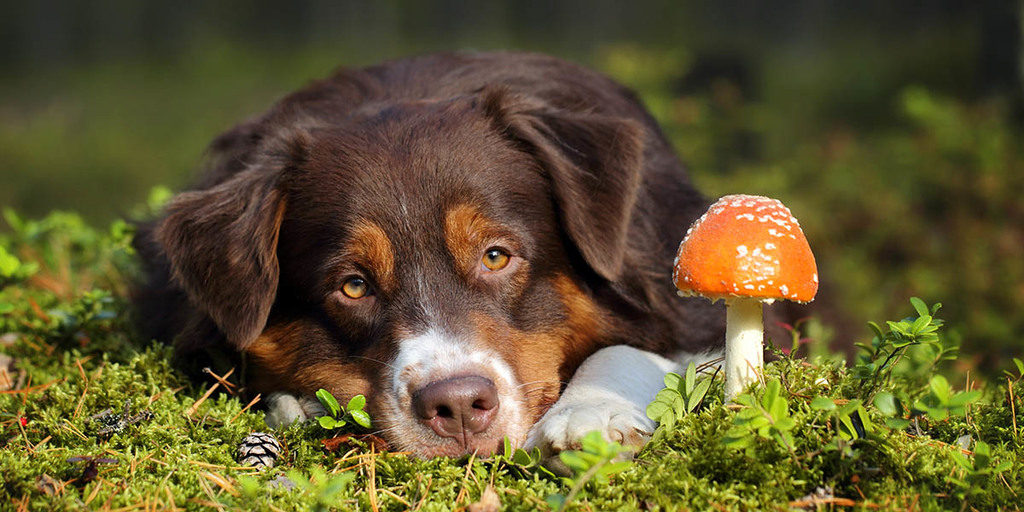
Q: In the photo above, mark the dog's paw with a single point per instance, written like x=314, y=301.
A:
x=285, y=408
x=609, y=394
x=616, y=418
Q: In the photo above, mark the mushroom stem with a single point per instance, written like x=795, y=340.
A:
x=744, y=353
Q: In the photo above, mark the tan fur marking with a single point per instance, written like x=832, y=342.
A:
x=546, y=359
x=466, y=229
x=277, y=366
x=370, y=244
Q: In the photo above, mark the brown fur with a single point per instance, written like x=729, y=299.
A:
x=403, y=175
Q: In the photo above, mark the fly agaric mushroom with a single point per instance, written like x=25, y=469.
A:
x=747, y=251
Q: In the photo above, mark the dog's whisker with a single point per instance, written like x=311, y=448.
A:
x=540, y=383
x=378, y=361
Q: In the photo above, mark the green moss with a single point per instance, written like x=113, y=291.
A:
x=79, y=359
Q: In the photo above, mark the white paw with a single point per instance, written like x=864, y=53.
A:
x=609, y=393
x=617, y=419
x=283, y=409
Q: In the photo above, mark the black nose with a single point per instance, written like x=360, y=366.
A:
x=459, y=407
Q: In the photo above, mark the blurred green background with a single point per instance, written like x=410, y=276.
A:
x=891, y=129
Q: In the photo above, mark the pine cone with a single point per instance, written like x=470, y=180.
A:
x=259, y=450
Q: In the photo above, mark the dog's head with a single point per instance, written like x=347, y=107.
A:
x=435, y=256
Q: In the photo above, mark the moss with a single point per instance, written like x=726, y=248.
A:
x=79, y=360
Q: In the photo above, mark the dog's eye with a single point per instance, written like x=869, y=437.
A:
x=355, y=288
x=495, y=259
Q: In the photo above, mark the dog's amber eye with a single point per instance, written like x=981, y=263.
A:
x=355, y=288
x=495, y=259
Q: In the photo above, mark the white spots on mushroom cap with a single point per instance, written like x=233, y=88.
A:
x=784, y=289
x=741, y=251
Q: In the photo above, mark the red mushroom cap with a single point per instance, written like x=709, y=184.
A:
x=746, y=246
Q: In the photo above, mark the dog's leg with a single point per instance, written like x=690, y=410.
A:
x=609, y=393
x=285, y=408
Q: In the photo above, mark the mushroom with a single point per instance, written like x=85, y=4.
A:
x=747, y=251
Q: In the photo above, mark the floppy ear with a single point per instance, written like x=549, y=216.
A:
x=593, y=162
x=221, y=243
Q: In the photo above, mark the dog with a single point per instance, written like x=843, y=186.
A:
x=480, y=244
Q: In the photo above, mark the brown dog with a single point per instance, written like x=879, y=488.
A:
x=449, y=235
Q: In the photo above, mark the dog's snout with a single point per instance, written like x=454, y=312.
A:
x=458, y=407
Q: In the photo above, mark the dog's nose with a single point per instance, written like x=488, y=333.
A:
x=459, y=407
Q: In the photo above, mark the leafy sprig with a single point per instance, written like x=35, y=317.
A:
x=337, y=416
x=766, y=417
x=875, y=366
x=595, y=461
x=681, y=396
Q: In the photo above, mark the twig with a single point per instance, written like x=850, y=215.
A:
x=195, y=406
x=465, y=478
x=222, y=380
x=28, y=390
x=372, y=485
x=85, y=389
x=246, y=408
x=1013, y=407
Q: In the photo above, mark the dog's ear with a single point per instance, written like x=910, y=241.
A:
x=221, y=242
x=594, y=163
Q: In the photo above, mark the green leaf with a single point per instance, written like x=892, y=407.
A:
x=360, y=417
x=920, y=324
x=356, y=403
x=668, y=419
x=574, y=460
x=672, y=380
x=522, y=457
x=329, y=402
x=877, y=331
x=1019, y=364
x=786, y=423
x=691, y=376
x=737, y=438
x=962, y=399
x=962, y=460
x=919, y=306
x=887, y=404
x=822, y=403
x=940, y=388
x=656, y=409
x=897, y=423
x=698, y=395
x=328, y=422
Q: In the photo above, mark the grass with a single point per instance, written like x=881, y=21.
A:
x=816, y=435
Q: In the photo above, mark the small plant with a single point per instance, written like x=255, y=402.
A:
x=852, y=425
x=594, y=461
x=13, y=270
x=521, y=461
x=976, y=473
x=682, y=395
x=875, y=367
x=767, y=418
x=338, y=417
x=1020, y=371
x=941, y=402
